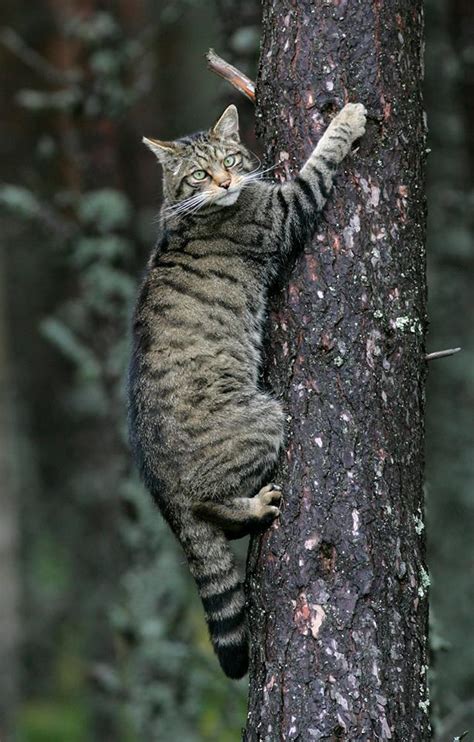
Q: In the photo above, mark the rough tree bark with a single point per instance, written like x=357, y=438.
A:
x=338, y=588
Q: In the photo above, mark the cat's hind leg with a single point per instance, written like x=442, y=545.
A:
x=235, y=456
x=238, y=516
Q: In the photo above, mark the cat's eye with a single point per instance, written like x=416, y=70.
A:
x=230, y=160
x=199, y=174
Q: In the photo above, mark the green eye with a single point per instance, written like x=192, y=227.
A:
x=229, y=160
x=199, y=174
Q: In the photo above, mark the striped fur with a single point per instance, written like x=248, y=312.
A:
x=204, y=434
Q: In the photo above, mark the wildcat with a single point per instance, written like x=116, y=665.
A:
x=204, y=434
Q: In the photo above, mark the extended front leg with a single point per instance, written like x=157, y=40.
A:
x=299, y=201
x=239, y=516
x=337, y=140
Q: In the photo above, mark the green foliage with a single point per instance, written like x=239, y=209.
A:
x=66, y=715
x=104, y=285
x=97, y=29
x=162, y=619
x=71, y=347
x=105, y=209
x=141, y=665
x=45, y=721
x=58, y=100
x=49, y=567
x=107, y=249
x=245, y=40
x=20, y=201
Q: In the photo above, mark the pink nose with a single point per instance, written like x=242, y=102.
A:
x=224, y=183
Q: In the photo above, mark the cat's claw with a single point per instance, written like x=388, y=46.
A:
x=270, y=495
x=264, y=506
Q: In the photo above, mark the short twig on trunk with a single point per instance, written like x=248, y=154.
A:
x=230, y=73
x=441, y=354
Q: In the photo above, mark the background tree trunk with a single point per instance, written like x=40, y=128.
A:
x=9, y=534
x=449, y=96
x=338, y=589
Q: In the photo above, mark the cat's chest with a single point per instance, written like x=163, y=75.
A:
x=210, y=273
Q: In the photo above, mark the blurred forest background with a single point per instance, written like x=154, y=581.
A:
x=101, y=633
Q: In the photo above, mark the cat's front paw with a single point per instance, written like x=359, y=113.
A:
x=353, y=115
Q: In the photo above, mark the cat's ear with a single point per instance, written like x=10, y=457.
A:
x=164, y=151
x=227, y=127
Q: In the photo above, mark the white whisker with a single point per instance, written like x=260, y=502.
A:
x=257, y=174
x=187, y=206
x=182, y=205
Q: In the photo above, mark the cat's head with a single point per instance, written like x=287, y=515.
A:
x=208, y=167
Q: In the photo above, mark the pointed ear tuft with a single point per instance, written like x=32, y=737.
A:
x=163, y=150
x=227, y=127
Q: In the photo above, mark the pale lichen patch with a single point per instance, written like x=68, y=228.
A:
x=407, y=324
x=419, y=525
x=424, y=705
x=425, y=582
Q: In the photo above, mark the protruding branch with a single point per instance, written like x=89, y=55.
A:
x=441, y=354
x=230, y=73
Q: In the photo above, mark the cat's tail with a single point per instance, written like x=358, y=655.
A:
x=212, y=565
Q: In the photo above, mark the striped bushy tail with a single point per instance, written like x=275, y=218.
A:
x=212, y=565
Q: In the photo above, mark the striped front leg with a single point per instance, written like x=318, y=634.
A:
x=300, y=200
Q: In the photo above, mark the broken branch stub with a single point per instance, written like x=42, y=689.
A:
x=228, y=72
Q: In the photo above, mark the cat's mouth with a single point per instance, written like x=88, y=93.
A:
x=229, y=197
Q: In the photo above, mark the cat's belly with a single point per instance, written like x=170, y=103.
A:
x=207, y=384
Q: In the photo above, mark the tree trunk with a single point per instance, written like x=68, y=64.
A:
x=9, y=546
x=338, y=588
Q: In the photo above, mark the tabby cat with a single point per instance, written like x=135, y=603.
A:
x=204, y=434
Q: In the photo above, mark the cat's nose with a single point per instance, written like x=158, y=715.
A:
x=224, y=183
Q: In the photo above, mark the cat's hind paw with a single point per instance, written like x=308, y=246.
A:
x=270, y=495
x=266, y=505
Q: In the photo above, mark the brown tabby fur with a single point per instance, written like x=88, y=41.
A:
x=204, y=434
